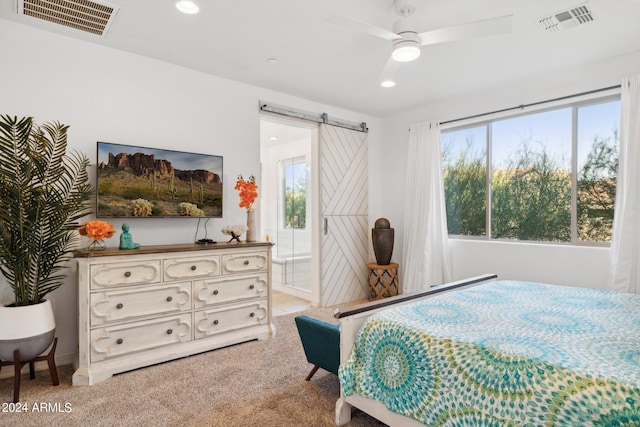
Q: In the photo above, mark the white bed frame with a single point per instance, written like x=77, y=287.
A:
x=350, y=323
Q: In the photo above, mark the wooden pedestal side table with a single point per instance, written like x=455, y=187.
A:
x=383, y=280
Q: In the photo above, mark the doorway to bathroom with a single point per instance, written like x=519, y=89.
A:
x=287, y=203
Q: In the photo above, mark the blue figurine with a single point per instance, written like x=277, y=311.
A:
x=125, y=239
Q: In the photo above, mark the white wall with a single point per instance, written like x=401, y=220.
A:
x=559, y=264
x=107, y=95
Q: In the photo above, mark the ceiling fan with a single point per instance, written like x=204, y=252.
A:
x=406, y=40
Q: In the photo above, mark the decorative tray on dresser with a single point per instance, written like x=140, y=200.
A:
x=149, y=305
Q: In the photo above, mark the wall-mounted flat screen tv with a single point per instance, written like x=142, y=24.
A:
x=147, y=182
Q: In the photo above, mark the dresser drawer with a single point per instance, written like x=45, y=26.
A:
x=244, y=263
x=216, y=291
x=217, y=321
x=119, y=340
x=187, y=268
x=126, y=304
x=119, y=274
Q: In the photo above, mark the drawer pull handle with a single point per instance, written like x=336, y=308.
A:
x=246, y=262
x=169, y=299
x=120, y=341
x=215, y=322
x=119, y=306
x=252, y=286
x=127, y=274
x=215, y=292
x=252, y=315
x=193, y=268
x=169, y=331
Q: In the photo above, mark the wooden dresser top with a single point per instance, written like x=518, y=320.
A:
x=166, y=248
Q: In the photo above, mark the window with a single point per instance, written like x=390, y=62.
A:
x=548, y=176
x=464, y=159
x=293, y=174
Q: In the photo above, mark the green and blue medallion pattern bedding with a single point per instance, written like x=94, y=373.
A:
x=504, y=353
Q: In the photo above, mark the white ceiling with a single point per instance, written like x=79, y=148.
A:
x=334, y=65
x=286, y=131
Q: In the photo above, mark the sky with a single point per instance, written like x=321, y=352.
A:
x=179, y=160
x=551, y=129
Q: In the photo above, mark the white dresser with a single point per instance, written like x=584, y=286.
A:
x=157, y=303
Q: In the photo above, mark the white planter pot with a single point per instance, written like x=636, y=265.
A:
x=29, y=328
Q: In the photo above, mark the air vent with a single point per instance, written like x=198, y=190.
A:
x=95, y=17
x=567, y=19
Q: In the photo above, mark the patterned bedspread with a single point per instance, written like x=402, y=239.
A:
x=504, y=353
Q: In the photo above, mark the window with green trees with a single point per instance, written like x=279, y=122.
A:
x=294, y=193
x=548, y=176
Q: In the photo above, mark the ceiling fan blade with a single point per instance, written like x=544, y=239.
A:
x=389, y=72
x=486, y=27
x=363, y=27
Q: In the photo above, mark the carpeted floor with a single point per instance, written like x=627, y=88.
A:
x=259, y=383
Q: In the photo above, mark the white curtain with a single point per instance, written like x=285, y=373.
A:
x=425, y=249
x=625, y=242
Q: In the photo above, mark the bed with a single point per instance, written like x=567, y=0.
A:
x=487, y=352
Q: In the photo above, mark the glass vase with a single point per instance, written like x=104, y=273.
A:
x=97, y=245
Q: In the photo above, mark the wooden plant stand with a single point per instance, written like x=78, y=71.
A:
x=17, y=366
x=383, y=280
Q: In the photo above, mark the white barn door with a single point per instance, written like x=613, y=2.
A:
x=344, y=205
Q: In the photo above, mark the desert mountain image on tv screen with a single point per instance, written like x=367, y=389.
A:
x=146, y=182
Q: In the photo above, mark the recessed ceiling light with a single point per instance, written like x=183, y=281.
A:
x=273, y=138
x=188, y=7
x=272, y=60
x=388, y=83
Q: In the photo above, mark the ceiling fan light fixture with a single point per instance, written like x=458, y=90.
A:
x=188, y=7
x=406, y=51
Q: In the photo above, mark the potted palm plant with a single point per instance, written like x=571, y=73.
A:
x=44, y=191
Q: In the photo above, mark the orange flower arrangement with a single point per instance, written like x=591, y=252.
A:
x=97, y=230
x=248, y=191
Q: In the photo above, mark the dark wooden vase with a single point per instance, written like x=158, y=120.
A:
x=382, y=236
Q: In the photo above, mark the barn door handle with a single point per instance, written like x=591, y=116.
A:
x=326, y=226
